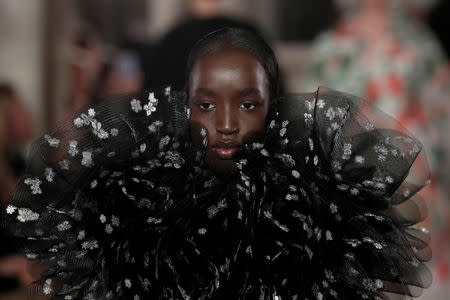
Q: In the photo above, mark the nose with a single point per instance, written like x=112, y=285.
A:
x=227, y=122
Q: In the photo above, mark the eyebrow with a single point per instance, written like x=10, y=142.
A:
x=204, y=91
x=248, y=91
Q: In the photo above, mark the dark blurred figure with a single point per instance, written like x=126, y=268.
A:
x=15, y=132
x=87, y=69
x=168, y=60
x=123, y=75
x=439, y=20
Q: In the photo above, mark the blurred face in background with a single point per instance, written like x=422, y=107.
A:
x=229, y=102
x=204, y=8
x=18, y=121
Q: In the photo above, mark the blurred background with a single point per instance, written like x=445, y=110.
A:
x=57, y=56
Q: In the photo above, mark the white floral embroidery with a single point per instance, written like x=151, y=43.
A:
x=78, y=122
x=47, y=288
x=369, y=126
x=98, y=130
x=152, y=220
x=381, y=157
x=136, y=105
x=272, y=124
x=108, y=229
x=94, y=183
x=308, y=119
x=334, y=126
x=81, y=235
x=91, y=112
x=354, y=191
x=102, y=218
x=49, y=174
x=359, y=159
x=150, y=107
x=320, y=103
x=164, y=142
x=167, y=91
x=295, y=173
x=330, y=113
x=202, y=231
x=91, y=245
x=53, y=142
x=115, y=221
x=389, y=179
x=347, y=148
x=114, y=131
x=154, y=126
x=127, y=283
x=309, y=252
x=73, y=148
x=311, y=144
x=26, y=215
x=34, y=184
x=64, y=164
x=333, y=208
x=378, y=245
x=87, y=159
x=64, y=226
x=10, y=209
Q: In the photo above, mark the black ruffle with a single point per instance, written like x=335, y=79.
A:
x=118, y=204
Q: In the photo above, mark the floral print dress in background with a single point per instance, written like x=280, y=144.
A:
x=406, y=74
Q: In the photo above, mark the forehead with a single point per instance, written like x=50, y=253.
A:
x=228, y=66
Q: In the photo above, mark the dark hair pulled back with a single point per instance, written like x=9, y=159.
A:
x=241, y=39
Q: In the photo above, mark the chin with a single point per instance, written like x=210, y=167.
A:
x=222, y=167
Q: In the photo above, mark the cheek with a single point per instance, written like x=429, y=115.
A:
x=253, y=127
x=200, y=125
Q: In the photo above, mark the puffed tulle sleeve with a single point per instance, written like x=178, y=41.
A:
x=348, y=201
x=90, y=188
x=117, y=203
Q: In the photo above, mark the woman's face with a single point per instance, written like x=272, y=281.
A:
x=229, y=97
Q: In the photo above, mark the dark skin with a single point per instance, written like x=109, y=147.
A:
x=229, y=97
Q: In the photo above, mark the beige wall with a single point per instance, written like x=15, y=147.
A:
x=20, y=50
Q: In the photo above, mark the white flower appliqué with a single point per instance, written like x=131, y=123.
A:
x=49, y=174
x=10, y=209
x=73, y=148
x=98, y=130
x=26, y=215
x=150, y=107
x=34, y=184
x=87, y=159
x=136, y=105
x=53, y=142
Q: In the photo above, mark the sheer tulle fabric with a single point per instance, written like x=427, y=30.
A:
x=118, y=204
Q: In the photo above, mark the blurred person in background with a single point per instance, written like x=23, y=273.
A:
x=87, y=65
x=383, y=51
x=170, y=54
x=123, y=75
x=15, y=133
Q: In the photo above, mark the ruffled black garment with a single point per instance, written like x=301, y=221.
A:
x=118, y=204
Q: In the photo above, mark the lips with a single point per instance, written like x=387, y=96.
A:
x=226, y=150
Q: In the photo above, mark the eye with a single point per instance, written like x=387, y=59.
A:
x=248, y=105
x=206, y=106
